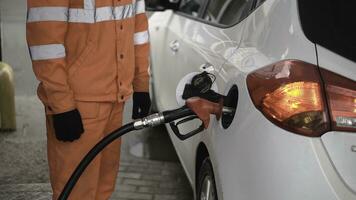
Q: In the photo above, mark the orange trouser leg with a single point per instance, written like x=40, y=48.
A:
x=110, y=158
x=63, y=157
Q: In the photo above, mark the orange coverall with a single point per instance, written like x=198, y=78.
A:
x=88, y=55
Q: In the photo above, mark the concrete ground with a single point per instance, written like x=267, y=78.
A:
x=149, y=166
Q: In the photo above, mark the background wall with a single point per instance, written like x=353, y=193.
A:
x=14, y=48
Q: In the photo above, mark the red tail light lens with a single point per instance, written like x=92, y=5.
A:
x=291, y=99
x=289, y=93
x=341, y=94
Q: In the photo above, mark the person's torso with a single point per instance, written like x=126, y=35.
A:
x=100, y=48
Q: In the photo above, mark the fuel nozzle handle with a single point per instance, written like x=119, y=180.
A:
x=195, y=108
x=162, y=118
x=184, y=114
x=179, y=113
x=199, y=107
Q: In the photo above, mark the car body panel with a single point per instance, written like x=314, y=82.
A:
x=339, y=144
x=336, y=63
x=210, y=45
x=207, y=44
x=258, y=168
x=163, y=30
x=267, y=38
x=253, y=158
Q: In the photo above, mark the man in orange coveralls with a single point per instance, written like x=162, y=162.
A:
x=89, y=56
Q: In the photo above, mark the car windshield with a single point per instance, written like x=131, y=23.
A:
x=330, y=24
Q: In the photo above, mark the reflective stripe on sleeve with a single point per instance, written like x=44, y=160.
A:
x=141, y=38
x=40, y=14
x=47, y=52
x=140, y=7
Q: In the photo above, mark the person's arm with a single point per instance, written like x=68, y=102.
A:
x=47, y=22
x=141, y=97
x=46, y=29
x=142, y=49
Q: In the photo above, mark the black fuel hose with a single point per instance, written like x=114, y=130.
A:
x=150, y=121
x=90, y=156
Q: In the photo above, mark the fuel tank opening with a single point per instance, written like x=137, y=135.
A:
x=231, y=101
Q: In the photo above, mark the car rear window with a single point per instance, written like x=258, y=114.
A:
x=331, y=24
x=227, y=12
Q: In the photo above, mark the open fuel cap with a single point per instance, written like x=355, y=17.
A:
x=187, y=79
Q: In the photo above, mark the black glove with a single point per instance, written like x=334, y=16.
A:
x=68, y=126
x=141, y=105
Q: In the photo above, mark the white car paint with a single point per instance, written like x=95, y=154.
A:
x=253, y=158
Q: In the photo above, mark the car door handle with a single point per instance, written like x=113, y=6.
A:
x=174, y=45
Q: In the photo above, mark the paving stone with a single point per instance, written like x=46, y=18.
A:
x=140, y=169
x=155, y=177
x=129, y=175
x=172, y=184
x=125, y=188
x=39, y=187
x=123, y=168
x=167, y=172
x=26, y=196
x=165, y=197
x=140, y=182
x=133, y=195
x=155, y=190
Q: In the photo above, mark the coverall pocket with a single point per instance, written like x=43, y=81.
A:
x=87, y=109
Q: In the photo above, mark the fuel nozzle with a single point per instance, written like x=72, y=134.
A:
x=204, y=108
x=200, y=102
x=201, y=109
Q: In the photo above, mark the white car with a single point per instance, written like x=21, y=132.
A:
x=289, y=68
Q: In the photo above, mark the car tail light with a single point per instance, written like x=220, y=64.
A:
x=341, y=94
x=290, y=94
